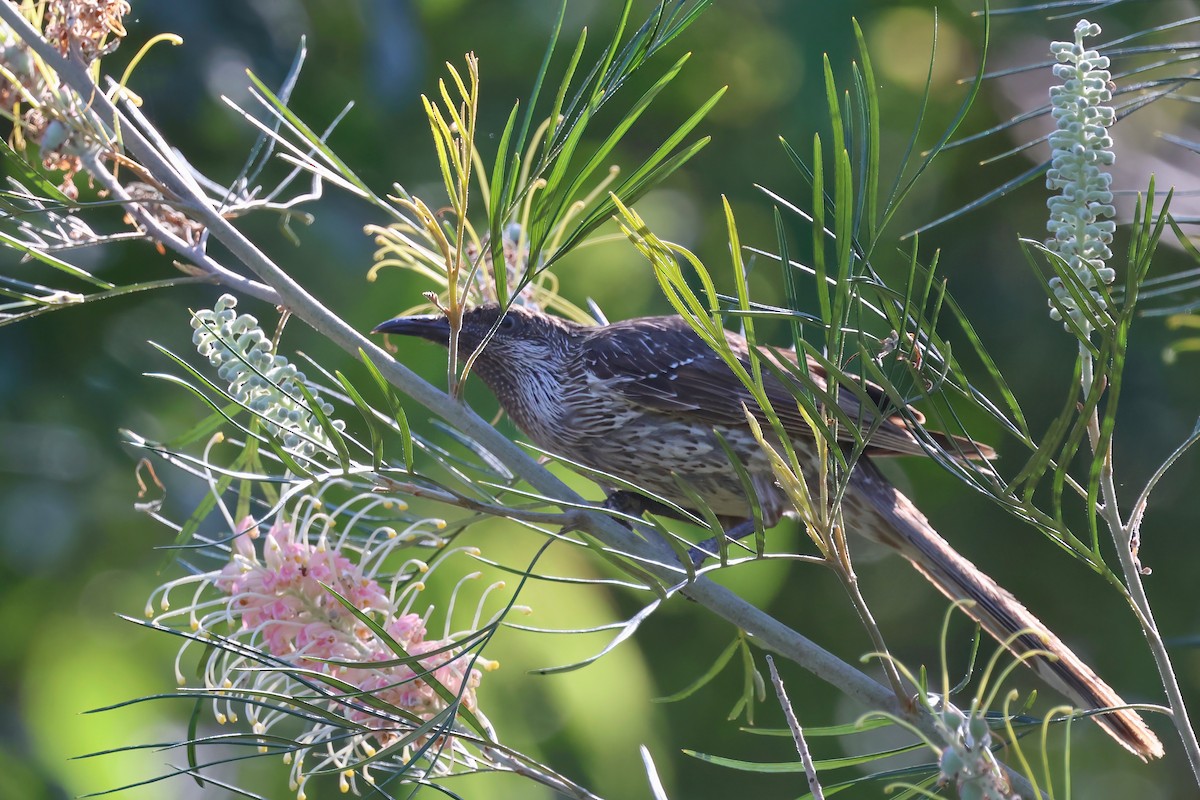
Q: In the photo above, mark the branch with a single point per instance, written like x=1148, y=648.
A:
x=814, y=785
x=1125, y=536
x=194, y=253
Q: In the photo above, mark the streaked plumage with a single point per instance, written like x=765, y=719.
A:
x=640, y=399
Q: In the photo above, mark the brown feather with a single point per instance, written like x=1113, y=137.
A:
x=695, y=384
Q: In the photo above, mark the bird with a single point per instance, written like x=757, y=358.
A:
x=647, y=400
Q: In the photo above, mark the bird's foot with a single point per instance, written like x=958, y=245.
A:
x=711, y=548
x=624, y=504
x=629, y=504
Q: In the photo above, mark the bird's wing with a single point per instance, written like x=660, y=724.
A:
x=661, y=364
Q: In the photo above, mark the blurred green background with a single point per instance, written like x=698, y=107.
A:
x=73, y=552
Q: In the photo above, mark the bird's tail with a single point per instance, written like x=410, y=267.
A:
x=905, y=529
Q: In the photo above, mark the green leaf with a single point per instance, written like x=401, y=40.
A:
x=204, y=430
x=394, y=405
x=628, y=629
x=502, y=183
x=211, y=387
x=819, y=233
x=564, y=84
x=193, y=727
x=820, y=731
x=899, y=193
x=777, y=767
x=628, y=193
x=756, y=511
x=618, y=132
x=368, y=415
x=868, y=97
x=32, y=177
x=286, y=457
x=119, y=291
x=309, y=137
x=313, y=406
x=200, y=513
x=52, y=261
x=714, y=669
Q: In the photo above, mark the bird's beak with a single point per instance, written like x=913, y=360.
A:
x=434, y=327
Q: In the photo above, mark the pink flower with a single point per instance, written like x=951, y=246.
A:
x=407, y=628
x=280, y=599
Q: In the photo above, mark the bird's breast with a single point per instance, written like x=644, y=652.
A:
x=535, y=403
x=656, y=452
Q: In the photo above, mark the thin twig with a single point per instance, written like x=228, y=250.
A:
x=567, y=519
x=162, y=234
x=531, y=771
x=844, y=569
x=656, y=787
x=814, y=785
x=1124, y=538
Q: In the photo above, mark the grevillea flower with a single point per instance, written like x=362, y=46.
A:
x=967, y=760
x=282, y=598
x=277, y=612
x=44, y=110
x=1080, y=226
x=259, y=378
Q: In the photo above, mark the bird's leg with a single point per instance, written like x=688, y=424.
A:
x=710, y=548
x=635, y=505
x=624, y=502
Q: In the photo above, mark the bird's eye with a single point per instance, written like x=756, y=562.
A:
x=508, y=323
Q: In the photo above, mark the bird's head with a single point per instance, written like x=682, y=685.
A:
x=525, y=354
x=516, y=338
